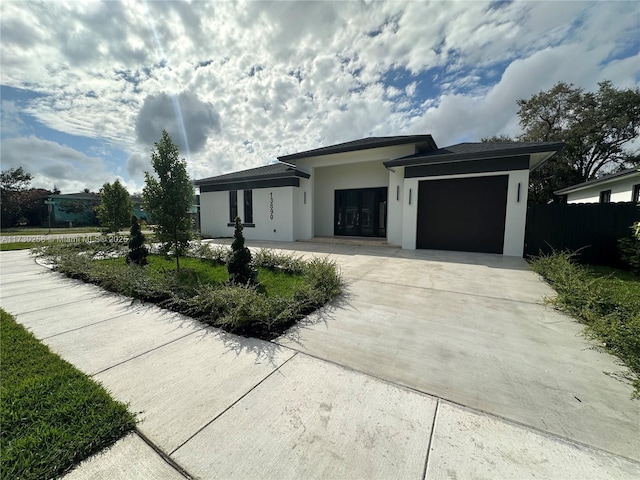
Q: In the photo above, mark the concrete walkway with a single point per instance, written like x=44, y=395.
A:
x=214, y=405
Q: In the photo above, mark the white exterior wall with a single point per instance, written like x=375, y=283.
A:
x=303, y=210
x=340, y=171
x=214, y=214
x=516, y=215
x=214, y=210
x=621, y=191
x=395, y=202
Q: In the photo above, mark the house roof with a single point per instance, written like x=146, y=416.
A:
x=477, y=151
x=362, y=144
x=605, y=179
x=272, y=171
x=77, y=196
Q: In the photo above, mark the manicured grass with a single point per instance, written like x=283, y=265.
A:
x=606, y=300
x=52, y=415
x=45, y=230
x=199, y=271
x=288, y=289
x=7, y=247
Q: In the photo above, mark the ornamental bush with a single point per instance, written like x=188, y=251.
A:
x=241, y=272
x=630, y=249
x=137, y=250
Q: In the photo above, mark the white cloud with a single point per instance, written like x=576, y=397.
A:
x=262, y=79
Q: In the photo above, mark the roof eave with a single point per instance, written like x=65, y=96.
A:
x=594, y=183
x=271, y=176
x=551, y=148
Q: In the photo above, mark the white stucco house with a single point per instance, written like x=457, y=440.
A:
x=623, y=186
x=466, y=197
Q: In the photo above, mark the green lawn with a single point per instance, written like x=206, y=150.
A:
x=45, y=230
x=7, y=247
x=52, y=415
x=198, y=271
x=605, y=299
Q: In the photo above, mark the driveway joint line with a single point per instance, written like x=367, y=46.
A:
x=511, y=421
x=88, y=325
x=54, y=306
x=144, y=353
x=433, y=429
x=451, y=291
x=31, y=291
x=234, y=403
x=170, y=461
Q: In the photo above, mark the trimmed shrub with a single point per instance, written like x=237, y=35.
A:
x=241, y=272
x=137, y=250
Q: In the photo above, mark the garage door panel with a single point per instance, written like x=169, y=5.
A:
x=463, y=214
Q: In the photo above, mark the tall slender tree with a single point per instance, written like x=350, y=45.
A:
x=168, y=196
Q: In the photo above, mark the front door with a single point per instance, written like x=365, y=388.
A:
x=361, y=212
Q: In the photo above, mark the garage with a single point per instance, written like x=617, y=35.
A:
x=462, y=214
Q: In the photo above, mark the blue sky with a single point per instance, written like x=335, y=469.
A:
x=87, y=87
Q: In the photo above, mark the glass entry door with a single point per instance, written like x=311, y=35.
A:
x=361, y=212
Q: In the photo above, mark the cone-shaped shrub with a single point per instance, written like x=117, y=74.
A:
x=239, y=265
x=137, y=249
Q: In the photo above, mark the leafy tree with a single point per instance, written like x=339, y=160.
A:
x=594, y=126
x=116, y=208
x=19, y=202
x=137, y=249
x=239, y=264
x=168, y=197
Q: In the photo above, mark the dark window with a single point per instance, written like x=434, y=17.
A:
x=233, y=205
x=605, y=196
x=635, y=196
x=248, y=206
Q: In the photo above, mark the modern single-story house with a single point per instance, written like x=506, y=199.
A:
x=467, y=197
x=622, y=186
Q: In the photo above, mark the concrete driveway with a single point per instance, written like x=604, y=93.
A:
x=472, y=329
x=433, y=365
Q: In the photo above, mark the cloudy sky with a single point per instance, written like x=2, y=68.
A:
x=87, y=87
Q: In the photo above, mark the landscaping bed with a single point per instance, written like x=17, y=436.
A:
x=287, y=289
x=52, y=415
x=605, y=299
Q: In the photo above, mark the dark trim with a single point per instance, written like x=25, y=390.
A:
x=590, y=183
x=472, y=166
x=235, y=178
x=247, y=225
x=435, y=157
x=363, y=144
x=251, y=184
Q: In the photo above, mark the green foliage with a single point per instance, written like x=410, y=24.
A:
x=116, y=208
x=287, y=292
x=595, y=127
x=52, y=415
x=138, y=251
x=241, y=272
x=630, y=249
x=168, y=198
x=608, y=305
x=18, y=202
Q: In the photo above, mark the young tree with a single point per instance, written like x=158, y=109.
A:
x=239, y=265
x=137, y=249
x=594, y=126
x=116, y=208
x=169, y=197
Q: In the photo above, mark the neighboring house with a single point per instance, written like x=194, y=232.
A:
x=77, y=209
x=623, y=186
x=466, y=197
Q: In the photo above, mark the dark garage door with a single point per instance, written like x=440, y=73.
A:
x=463, y=214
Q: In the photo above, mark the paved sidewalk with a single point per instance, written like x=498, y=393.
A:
x=215, y=405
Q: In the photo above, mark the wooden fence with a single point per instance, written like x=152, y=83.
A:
x=594, y=228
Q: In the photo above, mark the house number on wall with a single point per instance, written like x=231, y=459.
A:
x=271, y=207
